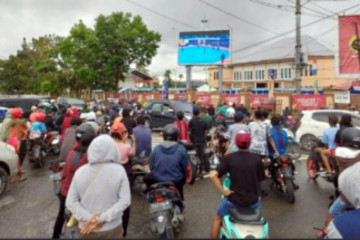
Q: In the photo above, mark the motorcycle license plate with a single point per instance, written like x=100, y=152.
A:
x=287, y=172
x=159, y=206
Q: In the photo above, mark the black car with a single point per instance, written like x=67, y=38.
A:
x=24, y=103
x=159, y=113
x=74, y=102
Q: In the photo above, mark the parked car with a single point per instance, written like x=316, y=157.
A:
x=74, y=102
x=159, y=113
x=313, y=124
x=8, y=166
x=3, y=112
x=24, y=103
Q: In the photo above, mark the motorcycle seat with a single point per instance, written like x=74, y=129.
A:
x=188, y=146
x=161, y=184
x=140, y=161
x=246, y=215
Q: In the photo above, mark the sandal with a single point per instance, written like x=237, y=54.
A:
x=22, y=179
x=323, y=232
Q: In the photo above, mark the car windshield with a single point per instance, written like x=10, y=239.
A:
x=182, y=106
x=75, y=101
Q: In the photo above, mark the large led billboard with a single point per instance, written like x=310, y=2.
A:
x=204, y=47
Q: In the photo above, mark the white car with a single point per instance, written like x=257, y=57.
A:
x=313, y=123
x=8, y=166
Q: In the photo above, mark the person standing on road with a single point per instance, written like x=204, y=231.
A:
x=211, y=110
x=128, y=121
x=99, y=192
x=206, y=118
x=70, y=114
x=183, y=127
x=76, y=158
x=198, y=132
x=234, y=129
x=15, y=142
x=246, y=173
x=143, y=138
x=119, y=134
x=69, y=139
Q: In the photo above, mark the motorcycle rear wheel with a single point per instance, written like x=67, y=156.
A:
x=311, y=168
x=290, y=196
x=169, y=232
x=191, y=170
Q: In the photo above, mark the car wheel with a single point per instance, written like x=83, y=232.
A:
x=147, y=123
x=308, y=141
x=4, y=181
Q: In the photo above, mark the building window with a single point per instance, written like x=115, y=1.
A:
x=237, y=76
x=216, y=75
x=275, y=73
x=259, y=74
x=290, y=73
x=248, y=75
x=310, y=70
x=306, y=70
x=282, y=73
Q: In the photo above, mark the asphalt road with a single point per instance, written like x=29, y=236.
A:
x=30, y=208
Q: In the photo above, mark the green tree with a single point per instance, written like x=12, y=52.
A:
x=100, y=57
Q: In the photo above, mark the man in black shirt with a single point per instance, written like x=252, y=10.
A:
x=246, y=172
x=198, y=131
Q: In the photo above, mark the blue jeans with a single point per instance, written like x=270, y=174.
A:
x=225, y=206
x=338, y=207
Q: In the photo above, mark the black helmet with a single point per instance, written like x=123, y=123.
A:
x=350, y=137
x=84, y=134
x=171, y=132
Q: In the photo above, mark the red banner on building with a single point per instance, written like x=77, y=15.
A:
x=262, y=101
x=308, y=102
x=159, y=96
x=121, y=96
x=348, y=47
x=181, y=96
x=202, y=99
x=231, y=98
x=134, y=97
x=146, y=97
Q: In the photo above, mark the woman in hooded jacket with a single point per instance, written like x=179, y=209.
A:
x=76, y=158
x=100, y=191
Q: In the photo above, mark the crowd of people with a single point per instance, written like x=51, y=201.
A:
x=97, y=176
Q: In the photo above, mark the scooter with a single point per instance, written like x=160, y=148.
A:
x=55, y=146
x=283, y=176
x=243, y=223
x=37, y=152
x=293, y=147
x=140, y=166
x=166, y=216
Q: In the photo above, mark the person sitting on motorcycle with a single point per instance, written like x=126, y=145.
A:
x=344, y=122
x=345, y=156
x=222, y=109
x=143, y=138
x=211, y=110
x=246, y=173
x=50, y=126
x=198, y=132
x=328, y=139
x=229, y=119
x=234, y=129
x=280, y=139
x=169, y=161
x=206, y=118
x=183, y=127
x=347, y=225
x=38, y=128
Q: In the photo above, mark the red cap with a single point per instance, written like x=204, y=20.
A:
x=243, y=140
x=118, y=128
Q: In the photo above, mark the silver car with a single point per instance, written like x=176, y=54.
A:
x=8, y=166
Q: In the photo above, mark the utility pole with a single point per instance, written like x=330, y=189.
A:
x=298, y=67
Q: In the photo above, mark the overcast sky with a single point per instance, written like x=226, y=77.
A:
x=249, y=20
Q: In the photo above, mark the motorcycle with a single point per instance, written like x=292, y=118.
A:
x=243, y=223
x=165, y=205
x=282, y=174
x=293, y=147
x=55, y=146
x=194, y=161
x=312, y=166
x=220, y=141
x=37, y=152
x=140, y=166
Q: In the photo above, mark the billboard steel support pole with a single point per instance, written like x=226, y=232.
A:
x=188, y=76
x=220, y=78
x=298, y=67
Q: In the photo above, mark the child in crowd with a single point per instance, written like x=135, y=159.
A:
x=15, y=142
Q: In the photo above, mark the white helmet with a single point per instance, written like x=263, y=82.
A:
x=91, y=116
x=230, y=112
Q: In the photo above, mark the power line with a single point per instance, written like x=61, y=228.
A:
x=162, y=15
x=290, y=31
x=236, y=17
